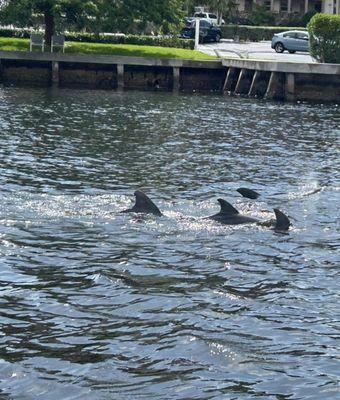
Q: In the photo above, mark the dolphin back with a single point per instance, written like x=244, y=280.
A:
x=228, y=215
x=249, y=193
x=282, y=221
x=144, y=205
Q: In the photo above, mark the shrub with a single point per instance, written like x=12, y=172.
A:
x=15, y=33
x=307, y=17
x=164, y=41
x=261, y=16
x=289, y=20
x=324, y=33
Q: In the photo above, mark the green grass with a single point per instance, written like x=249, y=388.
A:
x=14, y=44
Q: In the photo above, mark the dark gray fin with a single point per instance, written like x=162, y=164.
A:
x=226, y=208
x=282, y=221
x=250, y=194
x=143, y=204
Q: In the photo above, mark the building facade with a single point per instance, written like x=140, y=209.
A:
x=292, y=6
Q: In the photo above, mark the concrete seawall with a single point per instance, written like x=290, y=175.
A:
x=260, y=79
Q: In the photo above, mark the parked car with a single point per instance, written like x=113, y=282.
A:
x=208, y=31
x=208, y=16
x=188, y=20
x=291, y=40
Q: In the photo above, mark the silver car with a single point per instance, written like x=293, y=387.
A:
x=291, y=40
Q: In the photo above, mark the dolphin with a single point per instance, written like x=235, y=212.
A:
x=249, y=193
x=282, y=221
x=144, y=205
x=228, y=215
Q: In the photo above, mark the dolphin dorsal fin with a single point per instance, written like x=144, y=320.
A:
x=226, y=208
x=145, y=204
x=282, y=221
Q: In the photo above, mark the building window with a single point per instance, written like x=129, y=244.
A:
x=318, y=6
x=284, y=5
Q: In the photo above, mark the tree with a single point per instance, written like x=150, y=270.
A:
x=95, y=15
x=261, y=16
x=122, y=15
x=25, y=13
x=224, y=8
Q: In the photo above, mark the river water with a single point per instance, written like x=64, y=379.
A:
x=101, y=305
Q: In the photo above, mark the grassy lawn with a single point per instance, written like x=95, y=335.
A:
x=14, y=44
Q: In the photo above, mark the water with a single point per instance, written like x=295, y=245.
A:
x=100, y=305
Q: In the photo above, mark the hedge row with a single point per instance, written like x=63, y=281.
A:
x=253, y=33
x=164, y=41
x=324, y=34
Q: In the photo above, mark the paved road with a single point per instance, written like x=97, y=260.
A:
x=252, y=50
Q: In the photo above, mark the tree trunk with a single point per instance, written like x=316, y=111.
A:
x=49, y=25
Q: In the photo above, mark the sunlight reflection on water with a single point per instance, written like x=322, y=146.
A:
x=101, y=305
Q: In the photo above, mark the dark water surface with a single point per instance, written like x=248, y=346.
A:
x=100, y=305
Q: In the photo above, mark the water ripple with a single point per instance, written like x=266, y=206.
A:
x=101, y=305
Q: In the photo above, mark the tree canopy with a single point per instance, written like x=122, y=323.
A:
x=25, y=13
x=92, y=15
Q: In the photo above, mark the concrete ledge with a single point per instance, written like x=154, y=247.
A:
x=277, y=66
x=108, y=59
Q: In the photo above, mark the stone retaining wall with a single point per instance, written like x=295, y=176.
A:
x=253, y=78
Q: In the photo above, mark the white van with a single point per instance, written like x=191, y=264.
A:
x=209, y=16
